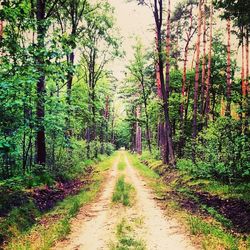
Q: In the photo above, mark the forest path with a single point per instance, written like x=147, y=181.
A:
x=96, y=228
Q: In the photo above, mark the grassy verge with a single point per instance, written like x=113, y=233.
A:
x=152, y=177
x=123, y=192
x=126, y=236
x=55, y=225
x=178, y=194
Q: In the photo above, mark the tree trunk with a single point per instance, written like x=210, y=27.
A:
x=208, y=81
x=203, y=75
x=1, y=30
x=196, y=83
x=243, y=84
x=40, y=112
x=70, y=60
x=247, y=78
x=138, y=142
x=146, y=114
x=183, y=89
x=166, y=104
x=228, y=108
x=158, y=12
x=247, y=62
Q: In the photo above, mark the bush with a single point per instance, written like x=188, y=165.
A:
x=222, y=152
x=71, y=162
x=109, y=148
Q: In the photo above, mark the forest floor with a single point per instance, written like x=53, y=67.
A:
x=139, y=223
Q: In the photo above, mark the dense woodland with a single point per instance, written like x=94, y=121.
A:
x=187, y=96
x=184, y=99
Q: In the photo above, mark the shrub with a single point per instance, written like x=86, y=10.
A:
x=222, y=152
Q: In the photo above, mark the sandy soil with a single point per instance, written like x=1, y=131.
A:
x=94, y=227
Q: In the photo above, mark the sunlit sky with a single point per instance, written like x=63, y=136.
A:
x=132, y=21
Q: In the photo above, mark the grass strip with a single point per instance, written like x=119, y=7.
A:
x=123, y=192
x=126, y=236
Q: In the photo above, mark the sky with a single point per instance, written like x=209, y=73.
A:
x=132, y=21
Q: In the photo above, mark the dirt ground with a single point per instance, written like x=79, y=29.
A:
x=95, y=226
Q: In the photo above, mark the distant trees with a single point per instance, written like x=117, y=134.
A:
x=100, y=46
x=137, y=92
x=196, y=81
x=163, y=65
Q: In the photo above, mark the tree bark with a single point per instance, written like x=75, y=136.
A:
x=196, y=82
x=184, y=80
x=165, y=88
x=208, y=81
x=243, y=85
x=243, y=82
x=203, y=75
x=146, y=114
x=40, y=112
x=166, y=101
x=70, y=60
x=247, y=77
x=228, y=107
x=247, y=62
x=138, y=141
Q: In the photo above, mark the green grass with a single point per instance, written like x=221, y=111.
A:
x=143, y=169
x=215, y=236
x=57, y=222
x=152, y=178
x=121, y=165
x=126, y=237
x=123, y=192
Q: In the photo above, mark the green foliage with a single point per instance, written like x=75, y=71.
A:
x=225, y=150
x=222, y=153
x=65, y=121
x=220, y=218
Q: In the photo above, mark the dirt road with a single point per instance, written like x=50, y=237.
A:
x=95, y=226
